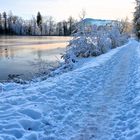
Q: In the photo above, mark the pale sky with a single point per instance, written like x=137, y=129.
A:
x=62, y=9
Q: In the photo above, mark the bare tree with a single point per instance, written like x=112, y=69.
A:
x=51, y=24
x=9, y=20
x=71, y=23
x=60, y=28
x=82, y=14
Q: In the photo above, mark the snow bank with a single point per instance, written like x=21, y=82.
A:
x=97, y=100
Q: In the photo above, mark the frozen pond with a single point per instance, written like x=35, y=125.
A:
x=26, y=56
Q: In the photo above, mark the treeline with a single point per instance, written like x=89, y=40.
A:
x=136, y=19
x=40, y=25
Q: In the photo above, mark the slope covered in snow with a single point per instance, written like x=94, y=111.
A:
x=98, y=100
x=98, y=22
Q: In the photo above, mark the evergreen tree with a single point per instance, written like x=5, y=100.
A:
x=5, y=22
x=39, y=21
x=0, y=24
x=137, y=19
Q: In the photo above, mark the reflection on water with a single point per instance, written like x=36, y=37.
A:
x=27, y=55
x=7, y=53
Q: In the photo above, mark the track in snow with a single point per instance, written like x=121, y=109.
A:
x=98, y=101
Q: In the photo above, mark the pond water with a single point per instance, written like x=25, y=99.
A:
x=27, y=56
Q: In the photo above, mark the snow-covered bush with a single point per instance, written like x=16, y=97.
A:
x=93, y=40
x=117, y=38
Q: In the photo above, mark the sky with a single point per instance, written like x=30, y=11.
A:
x=62, y=9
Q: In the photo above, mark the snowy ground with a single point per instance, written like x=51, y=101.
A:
x=98, y=100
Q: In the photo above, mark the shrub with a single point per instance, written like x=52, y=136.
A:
x=92, y=40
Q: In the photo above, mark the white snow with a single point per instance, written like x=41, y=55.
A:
x=98, y=22
x=98, y=100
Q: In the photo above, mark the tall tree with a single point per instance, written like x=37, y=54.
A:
x=137, y=19
x=0, y=23
x=9, y=21
x=39, y=21
x=5, y=21
x=51, y=25
x=65, y=28
x=33, y=21
x=71, y=25
x=60, y=28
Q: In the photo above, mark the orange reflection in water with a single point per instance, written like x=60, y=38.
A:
x=11, y=48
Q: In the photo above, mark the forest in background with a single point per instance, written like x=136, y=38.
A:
x=11, y=24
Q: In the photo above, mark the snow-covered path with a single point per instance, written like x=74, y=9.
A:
x=99, y=100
